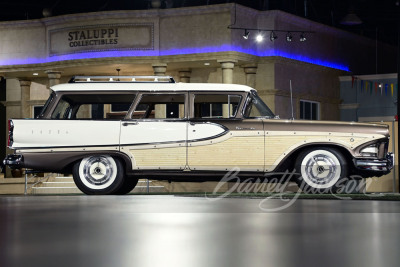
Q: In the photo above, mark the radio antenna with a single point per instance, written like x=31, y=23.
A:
x=291, y=98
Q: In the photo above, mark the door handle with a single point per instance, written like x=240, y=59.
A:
x=130, y=123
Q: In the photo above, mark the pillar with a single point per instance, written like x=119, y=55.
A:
x=54, y=77
x=159, y=69
x=251, y=71
x=227, y=70
x=184, y=75
x=25, y=97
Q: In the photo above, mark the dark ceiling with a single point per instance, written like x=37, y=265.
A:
x=380, y=18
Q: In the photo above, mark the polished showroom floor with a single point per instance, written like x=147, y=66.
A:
x=188, y=231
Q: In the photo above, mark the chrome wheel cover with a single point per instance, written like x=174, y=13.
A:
x=98, y=172
x=320, y=169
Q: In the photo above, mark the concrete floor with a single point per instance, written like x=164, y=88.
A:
x=184, y=231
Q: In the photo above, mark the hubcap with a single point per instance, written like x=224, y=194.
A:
x=320, y=169
x=98, y=172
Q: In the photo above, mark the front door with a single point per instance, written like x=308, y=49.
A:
x=217, y=140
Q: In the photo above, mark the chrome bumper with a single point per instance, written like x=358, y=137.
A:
x=14, y=161
x=377, y=165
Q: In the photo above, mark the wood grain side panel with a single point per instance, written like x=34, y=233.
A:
x=239, y=151
x=164, y=158
x=278, y=146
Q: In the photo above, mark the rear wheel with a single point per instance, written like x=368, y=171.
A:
x=99, y=175
x=129, y=184
x=322, y=170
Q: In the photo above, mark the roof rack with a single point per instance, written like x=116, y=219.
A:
x=130, y=79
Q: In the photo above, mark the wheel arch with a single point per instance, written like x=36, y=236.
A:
x=125, y=159
x=288, y=163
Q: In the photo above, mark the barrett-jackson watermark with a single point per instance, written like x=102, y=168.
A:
x=93, y=37
x=276, y=185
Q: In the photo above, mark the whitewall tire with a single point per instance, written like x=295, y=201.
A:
x=322, y=170
x=101, y=174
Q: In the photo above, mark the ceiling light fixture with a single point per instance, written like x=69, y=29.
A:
x=246, y=34
x=289, y=37
x=302, y=37
x=351, y=19
x=273, y=33
x=273, y=36
x=118, y=70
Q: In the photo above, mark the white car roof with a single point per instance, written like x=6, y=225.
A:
x=149, y=86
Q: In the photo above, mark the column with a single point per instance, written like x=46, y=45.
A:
x=227, y=70
x=54, y=77
x=184, y=75
x=25, y=97
x=251, y=71
x=159, y=69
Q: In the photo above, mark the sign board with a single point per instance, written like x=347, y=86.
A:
x=106, y=37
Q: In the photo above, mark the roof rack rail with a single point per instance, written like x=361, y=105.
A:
x=130, y=79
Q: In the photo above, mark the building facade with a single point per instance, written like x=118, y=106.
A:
x=191, y=44
x=368, y=97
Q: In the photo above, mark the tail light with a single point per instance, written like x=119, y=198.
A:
x=10, y=133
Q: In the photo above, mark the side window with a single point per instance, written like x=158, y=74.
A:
x=46, y=105
x=37, y=110
x=93, y=106
x=216, y=105
x=62, y=110
x=160, y=106
x=309, y=110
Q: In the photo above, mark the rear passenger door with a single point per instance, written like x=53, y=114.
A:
x=155, y=132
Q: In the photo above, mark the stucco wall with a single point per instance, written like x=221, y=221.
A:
x=187, y=31
x=194, y=29
x=308, y=83
x=22, y=41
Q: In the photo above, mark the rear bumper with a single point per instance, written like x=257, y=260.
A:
x=14, y=161
x=375, y=165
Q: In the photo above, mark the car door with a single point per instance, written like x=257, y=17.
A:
x=155, y=133
x=218, y=139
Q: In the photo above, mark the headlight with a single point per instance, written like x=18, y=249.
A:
x=369, y=151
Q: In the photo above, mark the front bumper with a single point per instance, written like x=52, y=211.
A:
x=375, y=165
x=14, y=161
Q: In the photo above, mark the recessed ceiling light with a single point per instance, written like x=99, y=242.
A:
x=35, y=74
x=207, y=64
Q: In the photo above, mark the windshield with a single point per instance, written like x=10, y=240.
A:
x=256, y=108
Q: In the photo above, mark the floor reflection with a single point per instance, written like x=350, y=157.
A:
x=182, y=231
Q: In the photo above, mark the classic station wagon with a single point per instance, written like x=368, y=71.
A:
x=110, y=131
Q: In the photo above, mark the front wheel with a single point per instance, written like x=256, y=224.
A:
x=99, y=175
x=322, y=170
